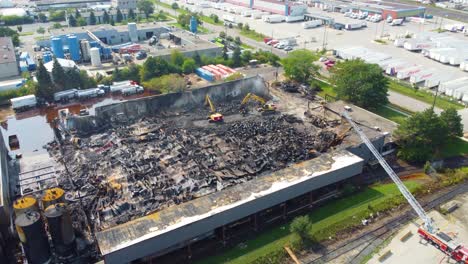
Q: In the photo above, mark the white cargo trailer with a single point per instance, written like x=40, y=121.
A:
x=274, y=19
x=23, y=102
x=464, y=65
x=396, y=22
x=436, y=79
x=422, y=76
x=291, y=19
x=400, y=42
x=459, y=92
x=418, y=44
x=452, y=83
x=132, y=90
x=259, y=14
x=247, y=13
x=457, y=59
x=311, y=24
x=408, y=72
x=354, y=26
x=395, y=68
x=450, y=89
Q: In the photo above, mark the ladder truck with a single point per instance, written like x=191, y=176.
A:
x=428, y=232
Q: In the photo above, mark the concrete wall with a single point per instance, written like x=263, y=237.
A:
x=363, y=151
x=132, y=110
x=4, y=188
x=9, y=69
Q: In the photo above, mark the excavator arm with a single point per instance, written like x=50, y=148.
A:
x=208, y=102
x=253, y=97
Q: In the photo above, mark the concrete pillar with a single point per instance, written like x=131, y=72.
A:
x=189, y=251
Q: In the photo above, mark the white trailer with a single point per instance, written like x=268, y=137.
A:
x=393, y=69
x=458, y=93
x=90, y=93
x=435, y=53
x=229, y=20
x=247, y=13
x=23, y=102
x=65, y=95
x=132, y=90
x=274, y=19
x=457, y=59
x=291, y=19
x=408, y=72
x=385, y=63
x=452, y=83
x=422, y=76
x=418, y=44
x=288, y=42
x=450, y=89
x=464, y=65
x=437, y=79
x=354, y=26
x=465, y=98
x=311, y=24
x=400, y=42
x=259, y=14
x=396, y=22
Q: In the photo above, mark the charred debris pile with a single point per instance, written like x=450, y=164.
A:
x=132, y=170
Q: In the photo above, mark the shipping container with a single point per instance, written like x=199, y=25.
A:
x=448, y=85
x=422, y=76
x=408, y=72
x=436, y=79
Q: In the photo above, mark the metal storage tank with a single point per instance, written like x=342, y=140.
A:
x=93, y=44
x=61, y=229
x=95, y=57
x=106, y=52
x=85, y=46
x=25, y=203
x=33, y=237
x=53, y=196
x=74, y=48
x=57, y=47
x=133, y=32
x=46, y=57
x=193, y=24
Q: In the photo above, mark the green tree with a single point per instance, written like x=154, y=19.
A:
x=453, y=121
x=246, y=27
x=197, y=59
x=81, y=22
x=45, y=88
x=57, y=26
x=177, y=58
x=58, y=76
x=175, y=6
x=215, y=18
x=301, y=226
x=86, y=81
x=246, y=56
x=238, y=41
x=236, y=57
x=240, y=25
x=57, y=16
x=105, y=17
x=169, y=83
x=19, y=28
x=360, y=83
x=77, y=13
x=234, y=76
x=72, y=21
x=119, y=16
x=421, y=136
x=145, y=6
x=8, y=32
x=224, y=52
x=112, y=22
x=222, y=34
x=154, y=67
x=117, y=75
x=92, y=18
x=299, y=65
x=73, y=79
x=40, y=30
x=131, y=15
x=189, y=66
x=41, y=17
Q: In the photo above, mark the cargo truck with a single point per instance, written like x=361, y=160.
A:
x=274, y=19
x=291, y=19
x=24, y=102
x=132, y=90
x=355, y=26
x=396, y=22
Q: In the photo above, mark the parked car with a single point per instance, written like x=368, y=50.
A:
x=288, y=48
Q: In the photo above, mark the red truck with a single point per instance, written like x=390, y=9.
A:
x=446, y=244
x=266, y=40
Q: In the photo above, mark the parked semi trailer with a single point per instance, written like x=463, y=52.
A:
x=65, y=95
x=23, y=102
x=311, y=24
x=132, y=90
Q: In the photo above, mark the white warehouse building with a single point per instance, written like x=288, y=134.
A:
x=285, y=8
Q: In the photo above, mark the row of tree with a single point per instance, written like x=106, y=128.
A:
x=60, y=79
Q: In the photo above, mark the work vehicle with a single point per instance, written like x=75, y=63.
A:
x=23, y=102
x=65, y=96
x=132, y=90
x=440, y=240
x=141, y=55
x=265, y=108
x=214, y=116
x=267, y=39
x=89, y=93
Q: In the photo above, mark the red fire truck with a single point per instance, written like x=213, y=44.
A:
x=446, y=244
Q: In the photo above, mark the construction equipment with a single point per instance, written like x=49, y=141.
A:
x=264, y=106
x=214, y=117
x=440, y=240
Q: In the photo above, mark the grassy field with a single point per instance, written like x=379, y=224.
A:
x=442, y=101
x=390, y=114
x=330, y=217
x=327, y=89
x=252, y=34
x=201, y=30
x=26, y=33
x=456, y=147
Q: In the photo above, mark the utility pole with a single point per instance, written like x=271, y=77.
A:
x=435, y=97
x=324, y=43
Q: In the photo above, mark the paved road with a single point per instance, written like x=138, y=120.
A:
x=437, y=11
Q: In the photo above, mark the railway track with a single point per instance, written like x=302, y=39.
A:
x=376, y=236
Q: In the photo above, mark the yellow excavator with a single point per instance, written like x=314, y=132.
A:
x=214, y=117
x=264, y=106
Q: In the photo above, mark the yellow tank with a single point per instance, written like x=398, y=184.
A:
x=24, y=204
x=53, y=196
